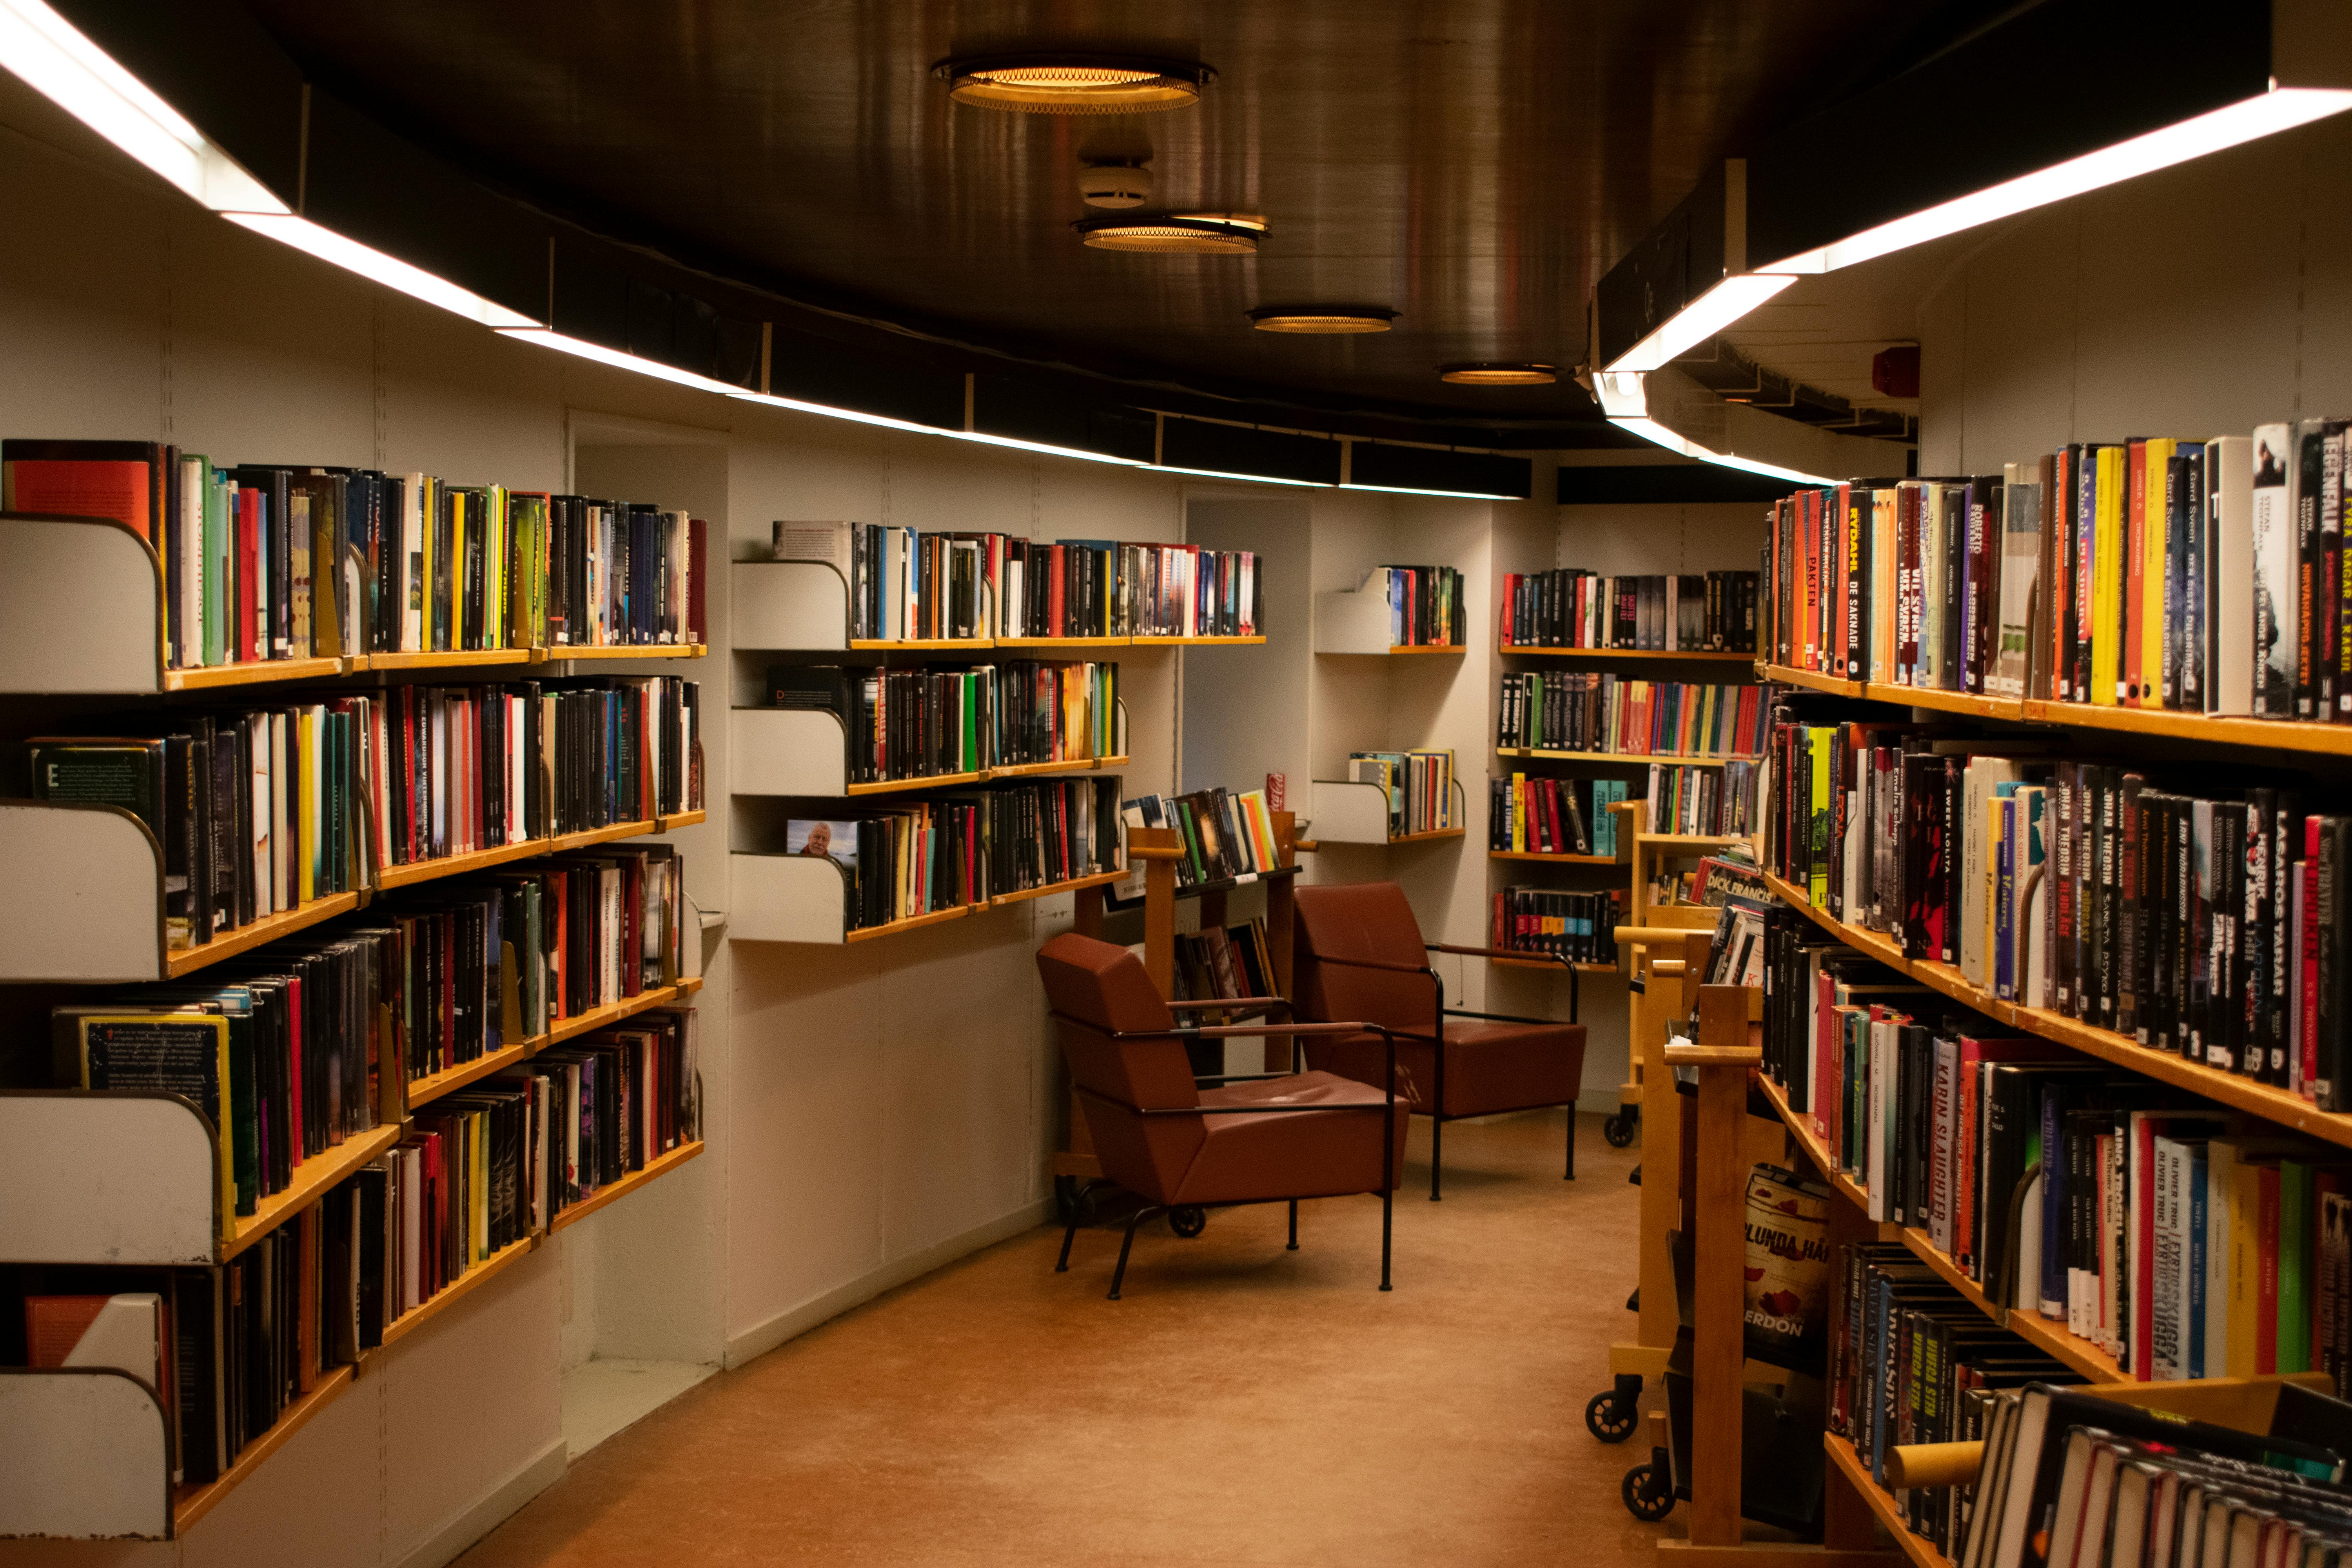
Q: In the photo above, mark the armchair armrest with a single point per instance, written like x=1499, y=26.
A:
x=1223, y=1002
x=1375, y=963
x=1575, y=987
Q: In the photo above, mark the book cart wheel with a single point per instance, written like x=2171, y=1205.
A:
x=1619, y=1128
x=1188, y=1220
x=1648, y=1495
x=1610, y=1415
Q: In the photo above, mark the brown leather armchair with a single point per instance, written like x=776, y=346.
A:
x=1254, y=1139
x=1359, y=955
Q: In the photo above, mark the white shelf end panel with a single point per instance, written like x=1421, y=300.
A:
x=1357, y=621
x=83, y=1455
x=85, y=893
x=125, y=1177
x=1347, y=813
x=80, y=606
x=787, y=898
x=788, y=604
x=786, y=751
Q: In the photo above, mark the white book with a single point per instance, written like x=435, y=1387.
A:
x=2028, y=1292
x=265, y=886
x=1978, y=868
x=1880, y=1082
x=411, y=1228
x=2220, y=1167
x=1850, y=890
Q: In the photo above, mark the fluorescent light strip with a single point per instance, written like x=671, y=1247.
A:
x=1449, y=495
x=63, y=66
x=1246, y=479
x=376, y=266
x=1651, y=430
x=2281, y=108
x=1701, y=320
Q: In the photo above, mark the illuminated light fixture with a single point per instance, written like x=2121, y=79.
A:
x=1244, y=479
x=374, y=265
x=57, y=61
x=1449, y=495
x=1061, y=83
x=2249, y=120
x=1626, y=402
x=1321, y=320
x=1172, y=235
x=1701, y=320
x=1498, y=374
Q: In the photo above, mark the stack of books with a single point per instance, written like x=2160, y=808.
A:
x=1571, y=608
x=1587, y=711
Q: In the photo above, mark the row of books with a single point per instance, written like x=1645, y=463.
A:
x=2201, y=576
x=1553, y=816
x=228, y=1348
x=1573, y=607
x=1427, y=605
x=1420, y=786
x=965, y=847
x=1585, y=710
x=906, y=586
x=1223, y=835
x=258, y=812
x=2185, y=1241
x=919, y=724
x=1719, y=802
x=2070, y=1480
x=1217, y=962
x=2205, y=922
x=264, y=563
x=1578, y=927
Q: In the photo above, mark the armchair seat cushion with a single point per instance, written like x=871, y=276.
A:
x=1308, y=1154
x=1489, y=1067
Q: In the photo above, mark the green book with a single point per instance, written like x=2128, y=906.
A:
x=2295, y=1266
x=213, y=488
x=970, y=725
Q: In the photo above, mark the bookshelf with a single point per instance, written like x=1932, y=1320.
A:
x=1683, y=656
x=1845, y=1462
x=1685, y=759
x=802, y=607
x=1359, y=621
x=1562, y=860
x=803, y=898
x=423, y=1091
x=804, y=752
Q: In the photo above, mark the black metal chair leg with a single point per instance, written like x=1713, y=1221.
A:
x=1436, y=1146
x=1571, y=1143
x=1061, y=1265
x=1293, y=1227
x=1388, y=1205
x=1118, y=1275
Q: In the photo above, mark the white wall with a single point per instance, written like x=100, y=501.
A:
x=873, y=1110
x=2198, y=301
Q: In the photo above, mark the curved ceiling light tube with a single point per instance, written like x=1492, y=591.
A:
x=1445, y=495
x=376, y=267
x=1701, y=320
x=56, y=60
x=1625, y=400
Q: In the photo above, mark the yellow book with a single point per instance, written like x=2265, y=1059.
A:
x=306, y=745
x=494, y=553
x=2108, y=575
x=477, y=1131
x=2245, y=1198
x=1519, y=812
x=460, y=524
x=2148, y=615
x=428, y=606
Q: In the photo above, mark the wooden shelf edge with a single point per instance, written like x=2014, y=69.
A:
x=614, y=1192
x=432, y=1086
x=418, y=871
x=182, y=960
x=1845, y=1460
x=1433, y=833
x=312, y=1179
x=925, y=644
x=677, y=819
x=1099, y=880
x=1800, y=1128
x=1687, y=758
x=610, y=1013
x=564, y=653
x=934, y=781
x=1552, y=859
x=1064, y=642
x=1699, y=656
x=1148, y=641
x=190, y=1504
x=1070, y=765
x=2231, y=1089
x=1554, y=968
x=210, y=677
x=1788, y=675
x=465, y=1285
x=467, y=658
x=891, y=928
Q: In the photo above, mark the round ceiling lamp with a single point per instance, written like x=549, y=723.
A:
x=1061, y=83
x=1174, y=234
x=1492, y=374
x=1329, y=321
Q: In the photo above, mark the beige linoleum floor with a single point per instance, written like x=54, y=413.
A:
x=1242, y=1404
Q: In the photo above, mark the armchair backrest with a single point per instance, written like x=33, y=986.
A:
x=1095, y=990
x=1364, y=921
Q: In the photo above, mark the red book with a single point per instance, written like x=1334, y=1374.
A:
x=123, y=480
x=2306, y=892
x=247, y=625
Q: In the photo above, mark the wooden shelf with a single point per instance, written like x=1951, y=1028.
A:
x=1401, y=649
x=892, y=928
x=1193, y=642
x=1800, y=1129
x=312, y=1177
x=182, y=960
x=211, y=677
x=681, y=819
x=561, y=653
x=1687, y=758
x=465, y=1285
x=483, y=859
x=1099, y=880
x=467, y=658
x=1675, y=843
x=935, y=781
x=191, y=1504
x=2216, y=729
x=1790, y=674
x=1433, y=833
x=614, y=1192
x=929, y=645
x=432, y=1086
x=1914, y=1547
x=1552, y=859
x=1072, y=765
x=1064, y=642
x=1716, y=656
x=2227, y=1088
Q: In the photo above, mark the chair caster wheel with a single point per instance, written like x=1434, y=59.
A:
x=1648, y=1497
x=1613, y=1415
x=1188, y=1220
x=1619, y=1130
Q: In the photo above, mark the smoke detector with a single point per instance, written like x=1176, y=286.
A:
x=1122, y=184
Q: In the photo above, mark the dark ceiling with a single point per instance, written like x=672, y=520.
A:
x=1473, y=167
